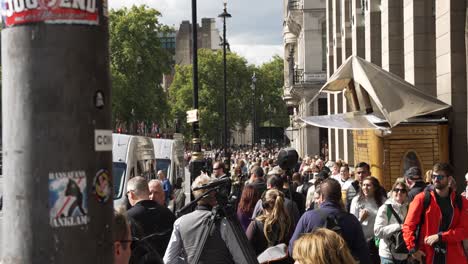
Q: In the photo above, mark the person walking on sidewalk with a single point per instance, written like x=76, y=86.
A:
x=436, y=223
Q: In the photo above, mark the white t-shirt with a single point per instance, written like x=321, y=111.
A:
x=344, y=184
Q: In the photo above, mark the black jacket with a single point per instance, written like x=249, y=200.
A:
x=148, y=218
x=417, y=188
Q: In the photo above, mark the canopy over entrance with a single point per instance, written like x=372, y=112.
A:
x=393, y=99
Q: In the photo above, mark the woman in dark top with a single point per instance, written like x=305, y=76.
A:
x=246, y=205
x=272, y=227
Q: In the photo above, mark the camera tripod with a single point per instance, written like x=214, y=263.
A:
x=242, y=251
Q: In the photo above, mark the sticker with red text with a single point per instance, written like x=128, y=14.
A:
x=17, y=12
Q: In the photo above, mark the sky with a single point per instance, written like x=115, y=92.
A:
x=254, y=31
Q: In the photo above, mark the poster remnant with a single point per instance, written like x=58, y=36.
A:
x=17, y=12
x=67, y=198
x=102, y=186
x=102, y=140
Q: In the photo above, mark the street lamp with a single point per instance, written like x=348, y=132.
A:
x=196, y=162
x=269, y=110
x=227, y=155
x=254, y=122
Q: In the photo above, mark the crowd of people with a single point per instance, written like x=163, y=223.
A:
x=312, y=213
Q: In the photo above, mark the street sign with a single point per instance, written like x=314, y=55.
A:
x=102, y=140
x=192, y=116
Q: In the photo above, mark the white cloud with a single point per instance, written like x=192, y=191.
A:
x=258, y=54
x=254, y=31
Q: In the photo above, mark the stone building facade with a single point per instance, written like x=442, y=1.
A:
x=422, y=41
x=305, y=68
x=208, y=38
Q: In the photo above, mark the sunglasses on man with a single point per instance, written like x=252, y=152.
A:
x=438, y=177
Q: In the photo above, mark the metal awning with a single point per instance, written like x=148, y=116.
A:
x=350, y=120
x=396, y=100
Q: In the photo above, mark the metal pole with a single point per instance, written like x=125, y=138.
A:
x=197, y=162
x=227, y=154
x=253, y=109
x=57, y=136
x=254, y=123
x=269, y=108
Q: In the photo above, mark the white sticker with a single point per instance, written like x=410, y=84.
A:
x=68, y=201
x=102, y=140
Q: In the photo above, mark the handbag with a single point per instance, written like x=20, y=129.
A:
x=396, y=239
x=274, y=254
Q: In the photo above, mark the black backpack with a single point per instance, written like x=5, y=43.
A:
x=331, y=220
x=427, y=200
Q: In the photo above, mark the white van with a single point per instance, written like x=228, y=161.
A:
x=169, y=156
x=131, y=156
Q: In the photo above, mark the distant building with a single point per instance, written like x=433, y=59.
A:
x=208, y=38
x=168, y=42
x=179, y=44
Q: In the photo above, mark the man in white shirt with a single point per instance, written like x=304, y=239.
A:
x=344, y=178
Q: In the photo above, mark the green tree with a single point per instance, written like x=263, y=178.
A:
x=210, y=64
x=270, y=81
x=137, y=65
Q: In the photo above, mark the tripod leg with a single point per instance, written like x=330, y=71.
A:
x=243, y=251
x=206, y=232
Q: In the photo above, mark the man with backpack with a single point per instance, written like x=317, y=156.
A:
x=413, y=178
x=436, y=223
x=332, y=215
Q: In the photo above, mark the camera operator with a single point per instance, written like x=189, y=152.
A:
x=188, y=230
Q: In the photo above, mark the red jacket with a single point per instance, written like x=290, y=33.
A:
x=457, y=231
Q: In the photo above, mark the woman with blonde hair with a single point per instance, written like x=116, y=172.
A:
x=322, y=246
x=273, y=226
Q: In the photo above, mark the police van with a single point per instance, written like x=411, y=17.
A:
x=131, y=156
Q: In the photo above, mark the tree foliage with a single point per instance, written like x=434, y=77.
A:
x=137, y=65
x=239, y=92
x=270, y=81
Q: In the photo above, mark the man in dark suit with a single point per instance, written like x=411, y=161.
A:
x=150, y=222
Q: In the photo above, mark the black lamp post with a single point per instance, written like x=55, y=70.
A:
x=227, y=155
x=270, y=137
x=254, y=122
x=196, y=163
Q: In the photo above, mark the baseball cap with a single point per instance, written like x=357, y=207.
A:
x=413, y=173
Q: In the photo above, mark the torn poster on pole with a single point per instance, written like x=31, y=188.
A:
x=17, y=12
x=67, y=198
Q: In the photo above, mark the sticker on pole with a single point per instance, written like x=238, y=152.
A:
x=17, y=12
x=102, y=186
x=102, y=140
x=67, y=198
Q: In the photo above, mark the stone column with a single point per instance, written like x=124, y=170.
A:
x=373, y=35
x=451, y=77
x=393, y=59
x=346, y=51
x=357, y=29
x=337, y=63
x=346, y=33
x=330, y=31
x=419, y=41
x=330, y=71
x=336, y=17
